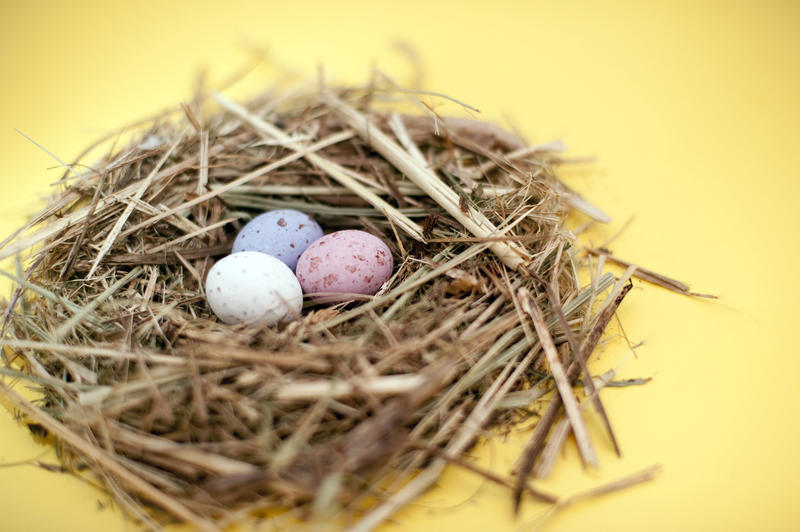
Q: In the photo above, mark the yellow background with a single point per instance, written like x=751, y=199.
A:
x=692, y=109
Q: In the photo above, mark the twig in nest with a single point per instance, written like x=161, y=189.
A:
x=640, y=477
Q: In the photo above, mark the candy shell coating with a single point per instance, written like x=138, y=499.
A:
x=253, y=287
x=283, y=233
x=345, y=262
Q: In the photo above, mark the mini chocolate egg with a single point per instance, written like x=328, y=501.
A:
x=345, y=262
x=251, y=286
x=284, y=234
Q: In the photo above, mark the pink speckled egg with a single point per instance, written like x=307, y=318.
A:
x=345, y=262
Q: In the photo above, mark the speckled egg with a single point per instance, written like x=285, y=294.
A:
x=285, y=234
x=345, y=262
x=251, y=286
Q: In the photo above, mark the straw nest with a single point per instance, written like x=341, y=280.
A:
x=354, y=407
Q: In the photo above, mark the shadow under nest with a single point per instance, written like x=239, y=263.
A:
x=341, y=408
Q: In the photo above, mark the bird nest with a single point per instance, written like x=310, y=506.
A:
x=354, y=407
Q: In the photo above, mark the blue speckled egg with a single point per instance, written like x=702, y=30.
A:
x=285, y=234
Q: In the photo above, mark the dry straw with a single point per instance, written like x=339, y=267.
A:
x=355, y=408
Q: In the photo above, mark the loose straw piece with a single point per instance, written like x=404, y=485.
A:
x=560, y=377
x=519, y=153
x=386, y=385
x=405, y=188
x=650, y=276
x=634, y=479
x=558, y=434
x=191, y=235
x=577, y=202
x=202, y=176
x=399, y=129
x=486, y=473
x=215, y=463
x=511, y=254
x=645, y=475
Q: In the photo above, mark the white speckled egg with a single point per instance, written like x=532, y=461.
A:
x=284, y=234
x=345, y=262
x=253, y=287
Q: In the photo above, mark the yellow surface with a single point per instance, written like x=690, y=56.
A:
x=692, y=110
